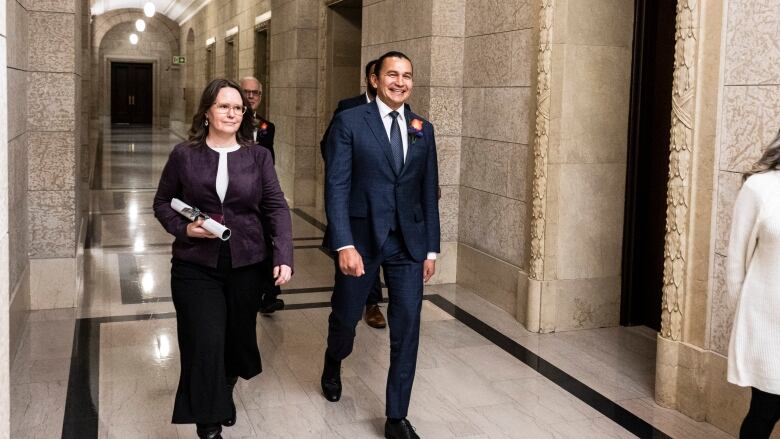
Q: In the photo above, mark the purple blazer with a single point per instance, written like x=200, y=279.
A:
x=253, y=201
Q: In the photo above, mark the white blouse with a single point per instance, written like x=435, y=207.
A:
x=753, y=280
x=222, y=170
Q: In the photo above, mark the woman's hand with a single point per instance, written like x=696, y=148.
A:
x=194, y=230
x=282, y=274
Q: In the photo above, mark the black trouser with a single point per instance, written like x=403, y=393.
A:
x=216, y=312
x=763, y=415
x=268, y=290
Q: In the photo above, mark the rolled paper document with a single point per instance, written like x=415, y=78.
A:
x=193, y=213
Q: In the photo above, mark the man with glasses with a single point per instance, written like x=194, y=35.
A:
x=264, y=129
x=264, y=136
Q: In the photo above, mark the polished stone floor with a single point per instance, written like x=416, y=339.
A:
x=109, y=368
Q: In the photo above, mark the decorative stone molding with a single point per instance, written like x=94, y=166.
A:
x=678, y=193
x=541, y=140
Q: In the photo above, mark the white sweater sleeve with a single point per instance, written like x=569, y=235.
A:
x=743, y=239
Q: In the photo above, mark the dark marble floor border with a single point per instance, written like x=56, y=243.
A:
x=82, y=412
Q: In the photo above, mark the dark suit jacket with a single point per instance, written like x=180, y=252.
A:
x=344, y=104
x=265, y=137
x=253, y=194
x=363, y=195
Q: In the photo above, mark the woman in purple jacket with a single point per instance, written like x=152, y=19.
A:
x=214, y=283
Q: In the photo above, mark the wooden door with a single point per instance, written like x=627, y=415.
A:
x=131, y=93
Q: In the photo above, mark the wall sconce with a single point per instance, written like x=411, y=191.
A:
x=140, y=25
x=133, y=39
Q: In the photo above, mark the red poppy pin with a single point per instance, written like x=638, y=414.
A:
x=415, y=129
x=263, y=128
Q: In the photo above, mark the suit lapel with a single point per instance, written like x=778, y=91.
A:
x=375, y=123
x=411, y=150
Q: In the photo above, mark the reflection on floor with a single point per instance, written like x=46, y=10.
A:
x=109, y=368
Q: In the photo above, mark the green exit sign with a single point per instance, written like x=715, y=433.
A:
x=179, y=59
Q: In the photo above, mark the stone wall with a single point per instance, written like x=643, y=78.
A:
x=53, y=105
x=5, y=282
x=17, y=17
x=498, y=105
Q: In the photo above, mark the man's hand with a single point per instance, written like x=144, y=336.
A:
x=429, y=268
x=282, y=274
x=194, y=230
x=351, y=263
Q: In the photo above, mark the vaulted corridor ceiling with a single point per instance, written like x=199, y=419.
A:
x=177, y=10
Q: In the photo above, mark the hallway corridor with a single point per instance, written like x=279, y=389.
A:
x=109, y=368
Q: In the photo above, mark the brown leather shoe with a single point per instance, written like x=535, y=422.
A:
x=374, y=317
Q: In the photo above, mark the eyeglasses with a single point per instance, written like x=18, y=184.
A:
x=225, y=108
x=250, y=93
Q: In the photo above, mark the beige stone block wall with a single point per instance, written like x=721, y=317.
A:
x=53, y=120
x=499, y=58
x=5, y=281
x=16, y=74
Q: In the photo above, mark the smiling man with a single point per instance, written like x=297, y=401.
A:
x=381, y=182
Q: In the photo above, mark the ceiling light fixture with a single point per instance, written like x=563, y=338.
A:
x=140, y=25
x=133, y=39
x=149, y=9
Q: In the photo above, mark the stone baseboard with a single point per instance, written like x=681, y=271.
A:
x=693, y=381
x=19, y=311
x=53, y=283
x=500, y=283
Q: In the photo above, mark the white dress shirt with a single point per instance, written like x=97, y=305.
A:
x=387, y=120
x=222, y=170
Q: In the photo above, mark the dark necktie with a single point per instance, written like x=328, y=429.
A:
x=396, y=144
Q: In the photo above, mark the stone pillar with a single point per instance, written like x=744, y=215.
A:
x=583, y=86
x=293, y=105
x=5, y=288
x=53, y=103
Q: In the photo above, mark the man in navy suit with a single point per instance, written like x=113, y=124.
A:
x=264, y=136
x=373, y=314
x=382, y=208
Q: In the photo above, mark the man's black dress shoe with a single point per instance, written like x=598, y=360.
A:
x=231, y=421
x=400, y=430
x=331, y=379
x=271, y=306
x=209, y=431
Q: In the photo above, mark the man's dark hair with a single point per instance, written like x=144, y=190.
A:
x=391, y=54
x=369, y=67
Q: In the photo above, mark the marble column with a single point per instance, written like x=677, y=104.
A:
x=53, y=103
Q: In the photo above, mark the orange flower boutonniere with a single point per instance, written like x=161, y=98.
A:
x=415, y=130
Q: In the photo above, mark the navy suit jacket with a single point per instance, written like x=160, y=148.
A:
x=265, y=138
x=363, y=194
x=344, y=104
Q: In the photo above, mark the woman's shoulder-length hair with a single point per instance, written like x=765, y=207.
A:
x=199, y=130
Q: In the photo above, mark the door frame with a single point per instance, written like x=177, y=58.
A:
x=106, y=101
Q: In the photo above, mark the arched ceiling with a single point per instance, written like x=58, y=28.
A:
x=177, y=10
